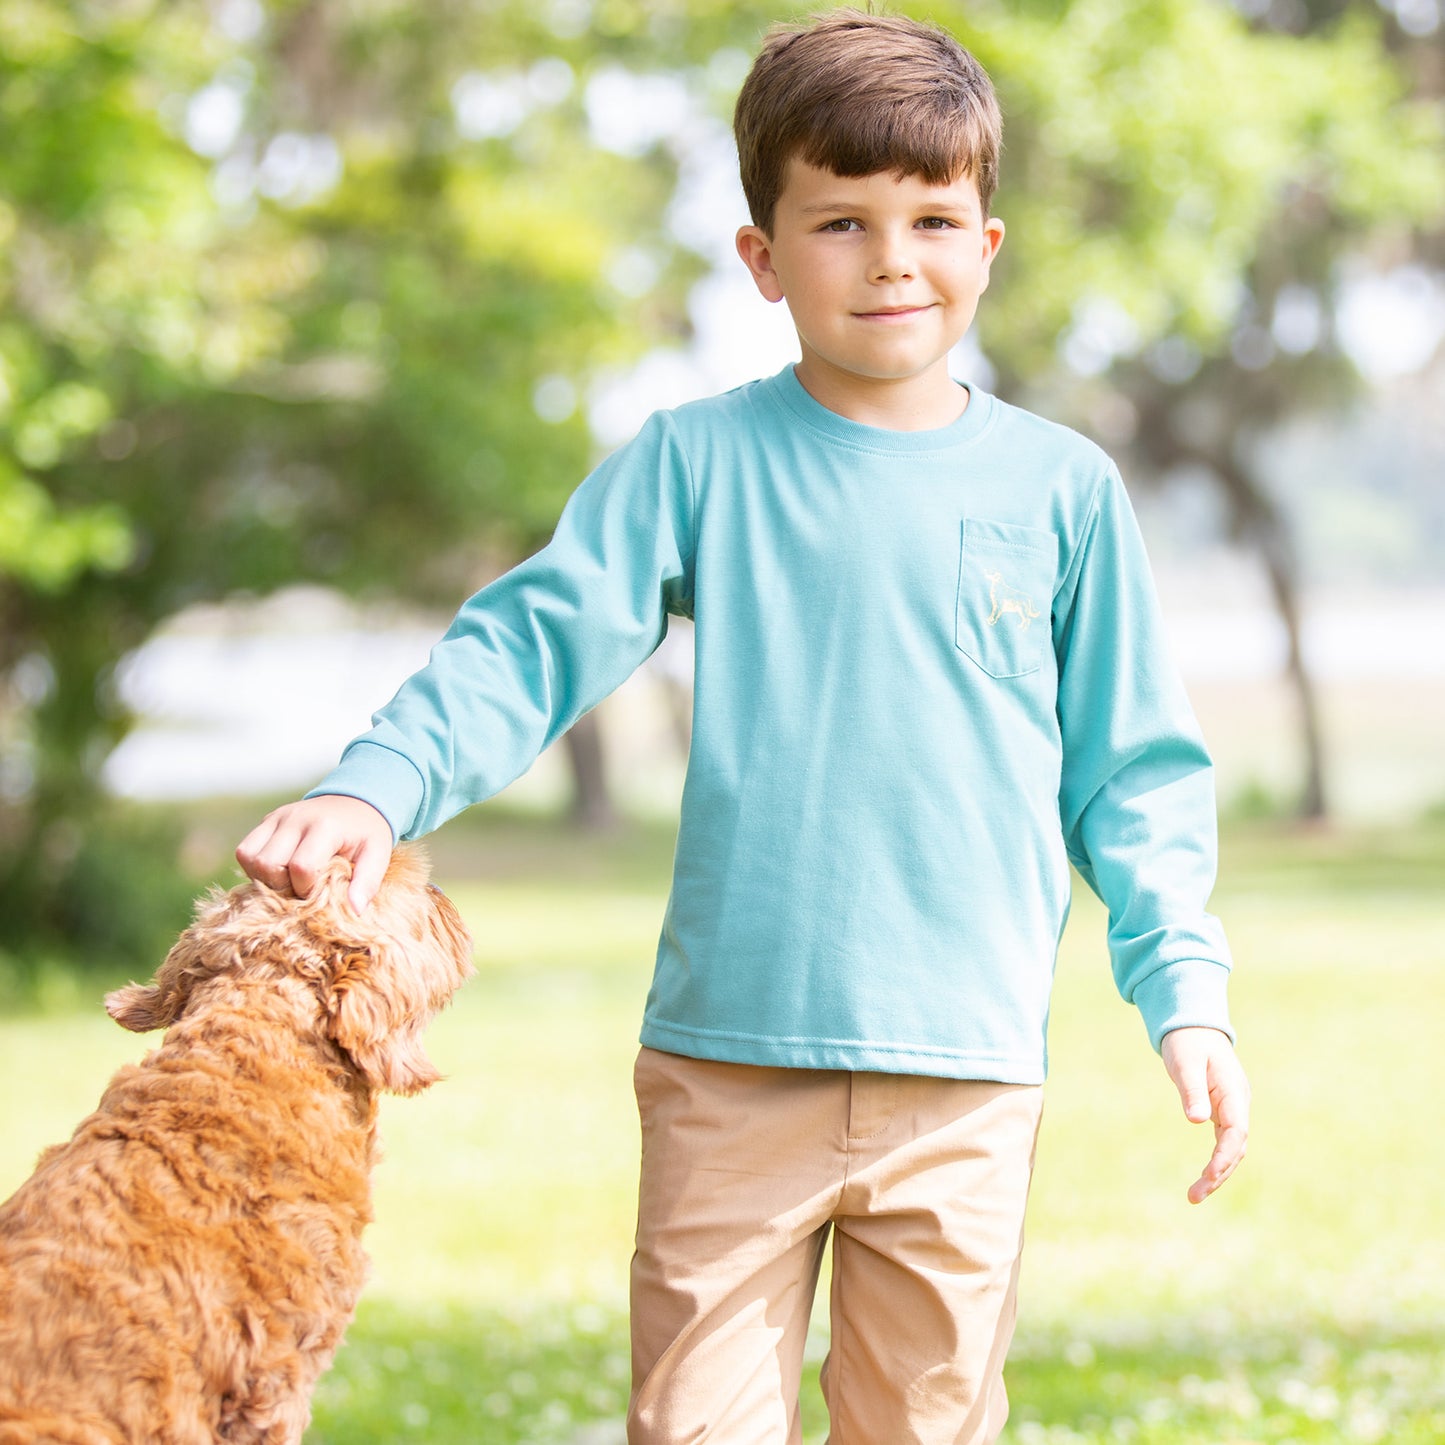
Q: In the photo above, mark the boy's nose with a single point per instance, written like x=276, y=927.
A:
x=891, y=261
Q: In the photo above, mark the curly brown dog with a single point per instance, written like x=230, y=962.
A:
x=183, y=1270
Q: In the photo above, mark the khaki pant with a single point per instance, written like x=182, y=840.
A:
x=745, y=1170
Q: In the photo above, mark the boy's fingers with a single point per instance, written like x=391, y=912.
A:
x=1211, y=1085
x=286, y=851
x=1193, y=1088
x=1186, y=1057
x=1231, y=1138
x=1228, y=1151
x=1232, y=1132
x=1202, y=1188
x=264, y=852
x=292, y=847
x=319, y=843
x=367, y=870
x=1196, y=1103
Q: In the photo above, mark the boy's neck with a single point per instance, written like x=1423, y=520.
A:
x=917, y=403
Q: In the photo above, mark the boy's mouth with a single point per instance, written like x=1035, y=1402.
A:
x=890, y=313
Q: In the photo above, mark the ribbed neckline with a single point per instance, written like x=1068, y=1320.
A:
x=795, y=397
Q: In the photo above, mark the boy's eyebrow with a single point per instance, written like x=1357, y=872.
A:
x=817, y=207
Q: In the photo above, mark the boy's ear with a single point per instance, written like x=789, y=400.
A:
x=756, y=248
x=992, y=240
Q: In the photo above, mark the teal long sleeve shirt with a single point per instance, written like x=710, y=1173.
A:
x=930, y=673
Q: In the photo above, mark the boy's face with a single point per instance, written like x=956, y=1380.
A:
x=882, y=277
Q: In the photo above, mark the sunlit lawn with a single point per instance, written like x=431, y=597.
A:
x=1305, y=1302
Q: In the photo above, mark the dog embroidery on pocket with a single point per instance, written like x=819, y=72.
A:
x=1006, y=599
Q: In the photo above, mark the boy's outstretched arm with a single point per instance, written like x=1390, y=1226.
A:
x=1212, y=1085
x=289, y=847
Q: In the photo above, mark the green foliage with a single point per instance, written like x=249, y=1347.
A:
x=47, y=551
x=1256, y=802
x=1154, y=149
x=211, y=383
x=274, y=310
x=95, y=903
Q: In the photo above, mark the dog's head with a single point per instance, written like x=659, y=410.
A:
x=378, y=977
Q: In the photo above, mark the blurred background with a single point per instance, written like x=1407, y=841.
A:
x=313, y=313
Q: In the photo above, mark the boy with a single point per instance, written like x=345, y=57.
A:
x=930, y=673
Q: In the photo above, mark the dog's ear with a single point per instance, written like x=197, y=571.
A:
x=378, y=1029
x=202, y=951
x=139, y=1008
x=388, y=982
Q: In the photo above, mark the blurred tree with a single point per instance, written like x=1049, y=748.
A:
x=313, y=291
x=1186, y=189
x=288, y=296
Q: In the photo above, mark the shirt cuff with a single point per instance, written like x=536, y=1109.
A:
x=379, y=776
x=1191, y=993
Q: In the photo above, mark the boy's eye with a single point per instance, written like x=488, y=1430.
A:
x=840, y=225
x=935, y=223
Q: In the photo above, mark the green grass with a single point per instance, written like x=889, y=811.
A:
x=1304, y=1302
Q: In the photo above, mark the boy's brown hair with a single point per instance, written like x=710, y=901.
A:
x=858, y=93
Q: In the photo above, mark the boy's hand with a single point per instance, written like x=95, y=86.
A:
x=290, y=847
x=1211, y=1085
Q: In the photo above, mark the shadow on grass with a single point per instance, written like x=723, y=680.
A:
x=560, y=1377
x=450, y=1376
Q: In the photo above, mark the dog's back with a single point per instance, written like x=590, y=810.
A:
x=183, y=1269
x=192, y=1256
x=32, y=1427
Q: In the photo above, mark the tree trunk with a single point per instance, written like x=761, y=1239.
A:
x=1313, y=804
x=592, y=807
x=1258, y=523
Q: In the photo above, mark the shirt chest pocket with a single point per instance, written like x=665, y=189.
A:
x=1005, y=592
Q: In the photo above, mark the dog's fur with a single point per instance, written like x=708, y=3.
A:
x=183, y=1270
